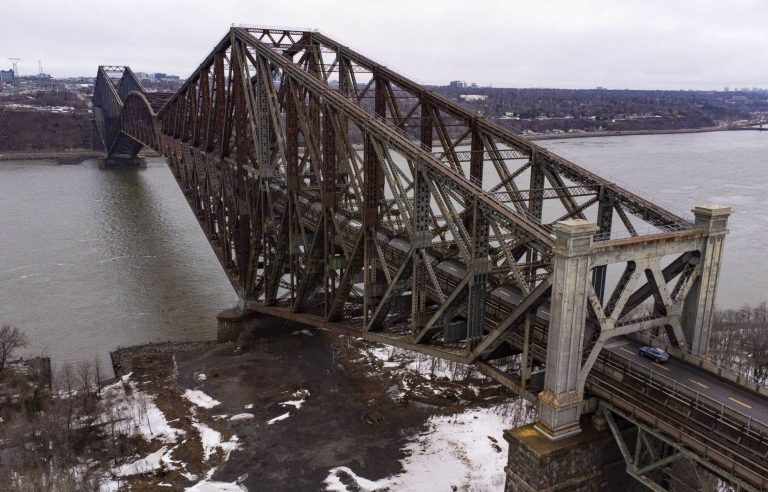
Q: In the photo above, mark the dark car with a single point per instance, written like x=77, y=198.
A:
x=653, y=353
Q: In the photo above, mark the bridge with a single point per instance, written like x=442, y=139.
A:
x=339, y=193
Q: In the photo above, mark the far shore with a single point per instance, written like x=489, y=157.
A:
x=73, y=154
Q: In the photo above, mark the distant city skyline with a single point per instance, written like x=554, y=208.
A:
x=686, y=44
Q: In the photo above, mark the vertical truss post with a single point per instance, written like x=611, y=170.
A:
x=266, y=167
x=560, y=401
x=242, y=233
x=604, y=222
x=330, y=202
x=425, y=122
x=477, y=286
x=421, y=240
x=373, y=173
x=535, y=206
x=699, y=305
x=526, y=362
x=476, y=156
x=292, y=170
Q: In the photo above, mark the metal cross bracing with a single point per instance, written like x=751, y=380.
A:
x=338, y=193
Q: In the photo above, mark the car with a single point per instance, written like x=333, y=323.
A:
x=653, y=353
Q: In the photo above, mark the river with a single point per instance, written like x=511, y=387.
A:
x=91, y=260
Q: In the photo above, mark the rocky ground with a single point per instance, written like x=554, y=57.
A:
x=290, y=407
x=287, y=407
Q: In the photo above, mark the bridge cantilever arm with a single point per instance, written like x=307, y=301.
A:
x=399, y=141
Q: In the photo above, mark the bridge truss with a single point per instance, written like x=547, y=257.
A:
x=336, y=192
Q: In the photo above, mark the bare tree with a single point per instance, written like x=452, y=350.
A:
x=11, y=339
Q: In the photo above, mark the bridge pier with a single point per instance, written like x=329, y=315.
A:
x=700, y=306
x=561, y=401
x=585, y=462
x=123, y=163
x=232, y=322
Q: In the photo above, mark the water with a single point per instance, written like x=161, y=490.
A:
x=91, y=260
x=685, y=170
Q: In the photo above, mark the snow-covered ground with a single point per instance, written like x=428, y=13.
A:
x=465, y=450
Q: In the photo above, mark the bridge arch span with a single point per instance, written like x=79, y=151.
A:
x=139, y=120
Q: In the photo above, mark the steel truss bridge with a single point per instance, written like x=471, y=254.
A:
x=339, y=193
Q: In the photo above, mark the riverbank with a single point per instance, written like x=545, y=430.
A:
x=64, y=156
x=67, y=156
x=559, y=136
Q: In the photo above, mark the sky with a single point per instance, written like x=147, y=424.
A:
x=618, y=44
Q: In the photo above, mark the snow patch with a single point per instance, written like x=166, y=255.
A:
x=242, y=416
x=136, y=413
x=279, y=418
x=466, y=451
x=197, y=397
x=211, y=441
x=206, y=486
x=150, y=463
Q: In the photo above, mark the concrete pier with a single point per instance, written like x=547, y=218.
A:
x=584, y=462
x=231, y=323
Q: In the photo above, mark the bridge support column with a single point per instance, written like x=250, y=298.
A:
x=589, y=461
x=561, y=400
x=700, y=304
x=232, y=322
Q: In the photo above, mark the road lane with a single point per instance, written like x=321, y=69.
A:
x=727, y=394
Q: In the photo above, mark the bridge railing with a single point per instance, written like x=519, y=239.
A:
x=703, y=362
x=613, y=364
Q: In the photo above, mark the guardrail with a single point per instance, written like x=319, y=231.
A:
x=703, y=362
x=608, y=360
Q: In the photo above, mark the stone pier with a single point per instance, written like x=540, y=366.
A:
x=584, y=462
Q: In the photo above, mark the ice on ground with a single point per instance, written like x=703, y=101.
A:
x=200, y=399
x=211, y=440
x=242, y=416
x=248, y=406
x=279, y=418
x=303, y=332
x=206, y=486
x=465, y=450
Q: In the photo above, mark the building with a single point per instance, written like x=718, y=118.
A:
x=6, y=76
x=457, y=84
x=473, y=97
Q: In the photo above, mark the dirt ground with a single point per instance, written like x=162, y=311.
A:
x=355, y=413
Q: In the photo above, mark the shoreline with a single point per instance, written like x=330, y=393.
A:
x=70, y=154
x=34, y=155
x=624, y=133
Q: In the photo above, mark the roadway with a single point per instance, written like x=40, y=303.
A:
x=728, y=394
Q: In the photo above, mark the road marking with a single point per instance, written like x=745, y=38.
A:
x=625, y=349
x=700, y=384
x=661, y=367
x=739, y=402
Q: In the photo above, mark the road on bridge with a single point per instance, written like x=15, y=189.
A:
x=728, y=394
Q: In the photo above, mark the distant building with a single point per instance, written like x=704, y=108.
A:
x=473, y=97
x=142, y=75
x=457, y=84
x=6, y=75
x=159, y=76
x=727, y=89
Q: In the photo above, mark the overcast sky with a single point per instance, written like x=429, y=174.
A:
x=646, y=44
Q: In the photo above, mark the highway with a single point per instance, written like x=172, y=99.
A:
x=743, y=401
